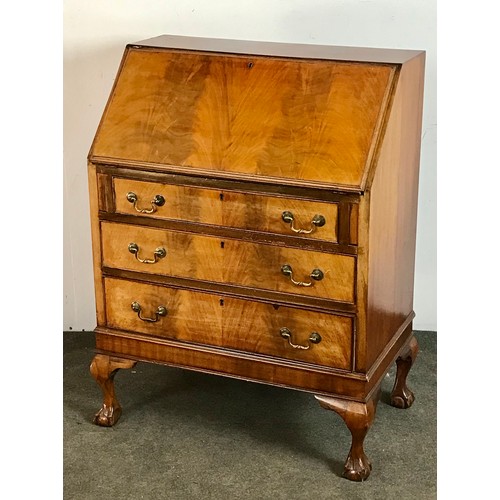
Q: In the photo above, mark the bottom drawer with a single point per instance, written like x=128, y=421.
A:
x=205, y=318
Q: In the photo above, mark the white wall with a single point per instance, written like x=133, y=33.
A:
x=95, y=34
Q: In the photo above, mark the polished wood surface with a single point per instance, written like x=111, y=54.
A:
x=103, y=369
x=292, y=374
x=358, y=418
x=277, y=49
x=353, y=223
x=105, y=192
x=240, y=292
x=237, y=364
x=227, y=208
x=303, y=120
x=401, y=395
x=96, y=246
x=151, y=172
x=227, y=322
x=392, y=214
x=232, y=135
x=224, y=232
x=228, y=261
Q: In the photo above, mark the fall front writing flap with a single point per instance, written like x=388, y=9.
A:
x=300, y=121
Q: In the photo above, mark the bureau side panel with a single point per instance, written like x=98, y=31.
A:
x=96, y=244
x=393, y=215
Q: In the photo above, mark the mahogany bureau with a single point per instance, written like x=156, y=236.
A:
x=253, y=215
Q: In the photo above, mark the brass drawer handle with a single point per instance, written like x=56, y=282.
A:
x=314, y=338
x=317, y=221
x=160, y=311
x=160, y=252
x=157, y=201
x=316, y=274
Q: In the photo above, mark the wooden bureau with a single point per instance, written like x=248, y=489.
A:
x=253, y=215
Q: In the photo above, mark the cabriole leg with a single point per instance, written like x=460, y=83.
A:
x=358, y=418
x=103, y=368
x=401, y=396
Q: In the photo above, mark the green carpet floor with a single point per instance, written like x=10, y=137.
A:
x=187, y=435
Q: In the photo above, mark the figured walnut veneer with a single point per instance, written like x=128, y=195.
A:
x=228, y=261
x=238, y=324
x=203, y=146
x=308, y=120
x=227, y=208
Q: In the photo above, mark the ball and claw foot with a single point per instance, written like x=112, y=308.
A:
x=403, y=401
x=107, y=416
x=358, y=418
x=357, y=469
x=401, y=396
x=103, y=369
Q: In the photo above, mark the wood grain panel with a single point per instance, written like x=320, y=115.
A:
x=236, y=364
x=272, y=118
x=353, y=224
x=94, y=194
x=362, y=282
x=151, y=172
x=223, y=232
x=181, y=202
x=228, y=261
x=255, y=294
x=248, y=366
x=264, y=213
x=228, y=208
x=105, y=188
x=344, y=223
x=278, y=49
x=393, y=214
x=228, y=322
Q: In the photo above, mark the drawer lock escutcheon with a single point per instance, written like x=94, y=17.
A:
x=160, y=253
x=157, y=201
x=316, y=274
x=317, y=221
x=314, y=338
x=160, y=311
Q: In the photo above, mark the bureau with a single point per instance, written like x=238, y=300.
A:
x=253, y=214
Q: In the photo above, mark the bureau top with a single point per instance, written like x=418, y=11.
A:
x=306, y=115
x=275, y=49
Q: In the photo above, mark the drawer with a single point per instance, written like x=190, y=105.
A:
x=228, y=261
x=244, y=325
x=227, y=208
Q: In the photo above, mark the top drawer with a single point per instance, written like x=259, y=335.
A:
x=317, y=220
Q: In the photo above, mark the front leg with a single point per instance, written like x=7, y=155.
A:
x=358, y=418
x=401, y=396
x=103, y=368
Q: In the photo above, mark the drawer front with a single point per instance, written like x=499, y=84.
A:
x=228, y=261
x=227, y=208
x=244, y=325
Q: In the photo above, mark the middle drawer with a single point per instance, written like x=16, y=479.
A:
x=208, y=258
